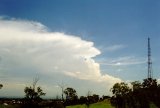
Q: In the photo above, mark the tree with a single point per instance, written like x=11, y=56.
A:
x=150, y=83
x=141, y=95
x=120, y=89
x=151, y=90
x=71, y=96
x=70, y=93
x=83, y=100
x=138, y=96
x=33, y=93
x=136, y=85
x=1, y=86
x=121, y=92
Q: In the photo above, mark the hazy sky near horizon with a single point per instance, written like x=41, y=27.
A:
x=87, y=44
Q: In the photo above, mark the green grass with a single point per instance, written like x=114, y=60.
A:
x=153, y=105
x=9, y=106
x=104, y=104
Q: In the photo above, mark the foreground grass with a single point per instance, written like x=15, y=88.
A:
x=153, y=105
x=9, y=106
x=104, y=104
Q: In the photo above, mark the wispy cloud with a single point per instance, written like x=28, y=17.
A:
x=122, y=61
x=27, y=47
x=115, y=47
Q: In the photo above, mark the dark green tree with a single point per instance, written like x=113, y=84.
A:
x=1, y=86
x=150, y=83
x=120, y=92
x=33, y=94
x=136, y=85
x=71, y=96
x=70, y=93
x=151, y=89
x=120, y=89
x=140, y=96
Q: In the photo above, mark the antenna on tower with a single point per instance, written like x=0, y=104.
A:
x=149, y=61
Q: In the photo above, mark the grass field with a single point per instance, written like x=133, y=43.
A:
x=8, y=106
x=104, y=104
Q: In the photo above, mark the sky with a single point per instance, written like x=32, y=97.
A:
x=88, y=45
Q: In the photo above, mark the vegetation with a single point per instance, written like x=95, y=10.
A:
x=139, y=96
x=1, y=86
x=103, y=104
x=70, y=93
x=33, y=94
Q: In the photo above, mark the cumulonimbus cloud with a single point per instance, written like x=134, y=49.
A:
x=27, y=46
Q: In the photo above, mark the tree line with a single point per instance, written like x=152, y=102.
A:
x=34, y=93
x=140, y=95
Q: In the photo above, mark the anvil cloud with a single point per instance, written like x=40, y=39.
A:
x=28, y=48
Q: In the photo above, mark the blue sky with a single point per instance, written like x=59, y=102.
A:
x=116, y=31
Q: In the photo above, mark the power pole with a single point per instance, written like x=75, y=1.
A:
x=150, y=74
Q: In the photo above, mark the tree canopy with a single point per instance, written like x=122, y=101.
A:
x=1, y=86
x=70, y=93
x=33, y=93
x=140, y=95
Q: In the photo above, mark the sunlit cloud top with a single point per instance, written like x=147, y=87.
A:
x=27, y=47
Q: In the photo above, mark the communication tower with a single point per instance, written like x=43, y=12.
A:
x=150, y=73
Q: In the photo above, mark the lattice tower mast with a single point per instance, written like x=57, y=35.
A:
x=150, y=74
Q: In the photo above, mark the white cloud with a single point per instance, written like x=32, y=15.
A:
x=114, y=48
x=158, y=81
x=123, y=61
x=27, y=48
